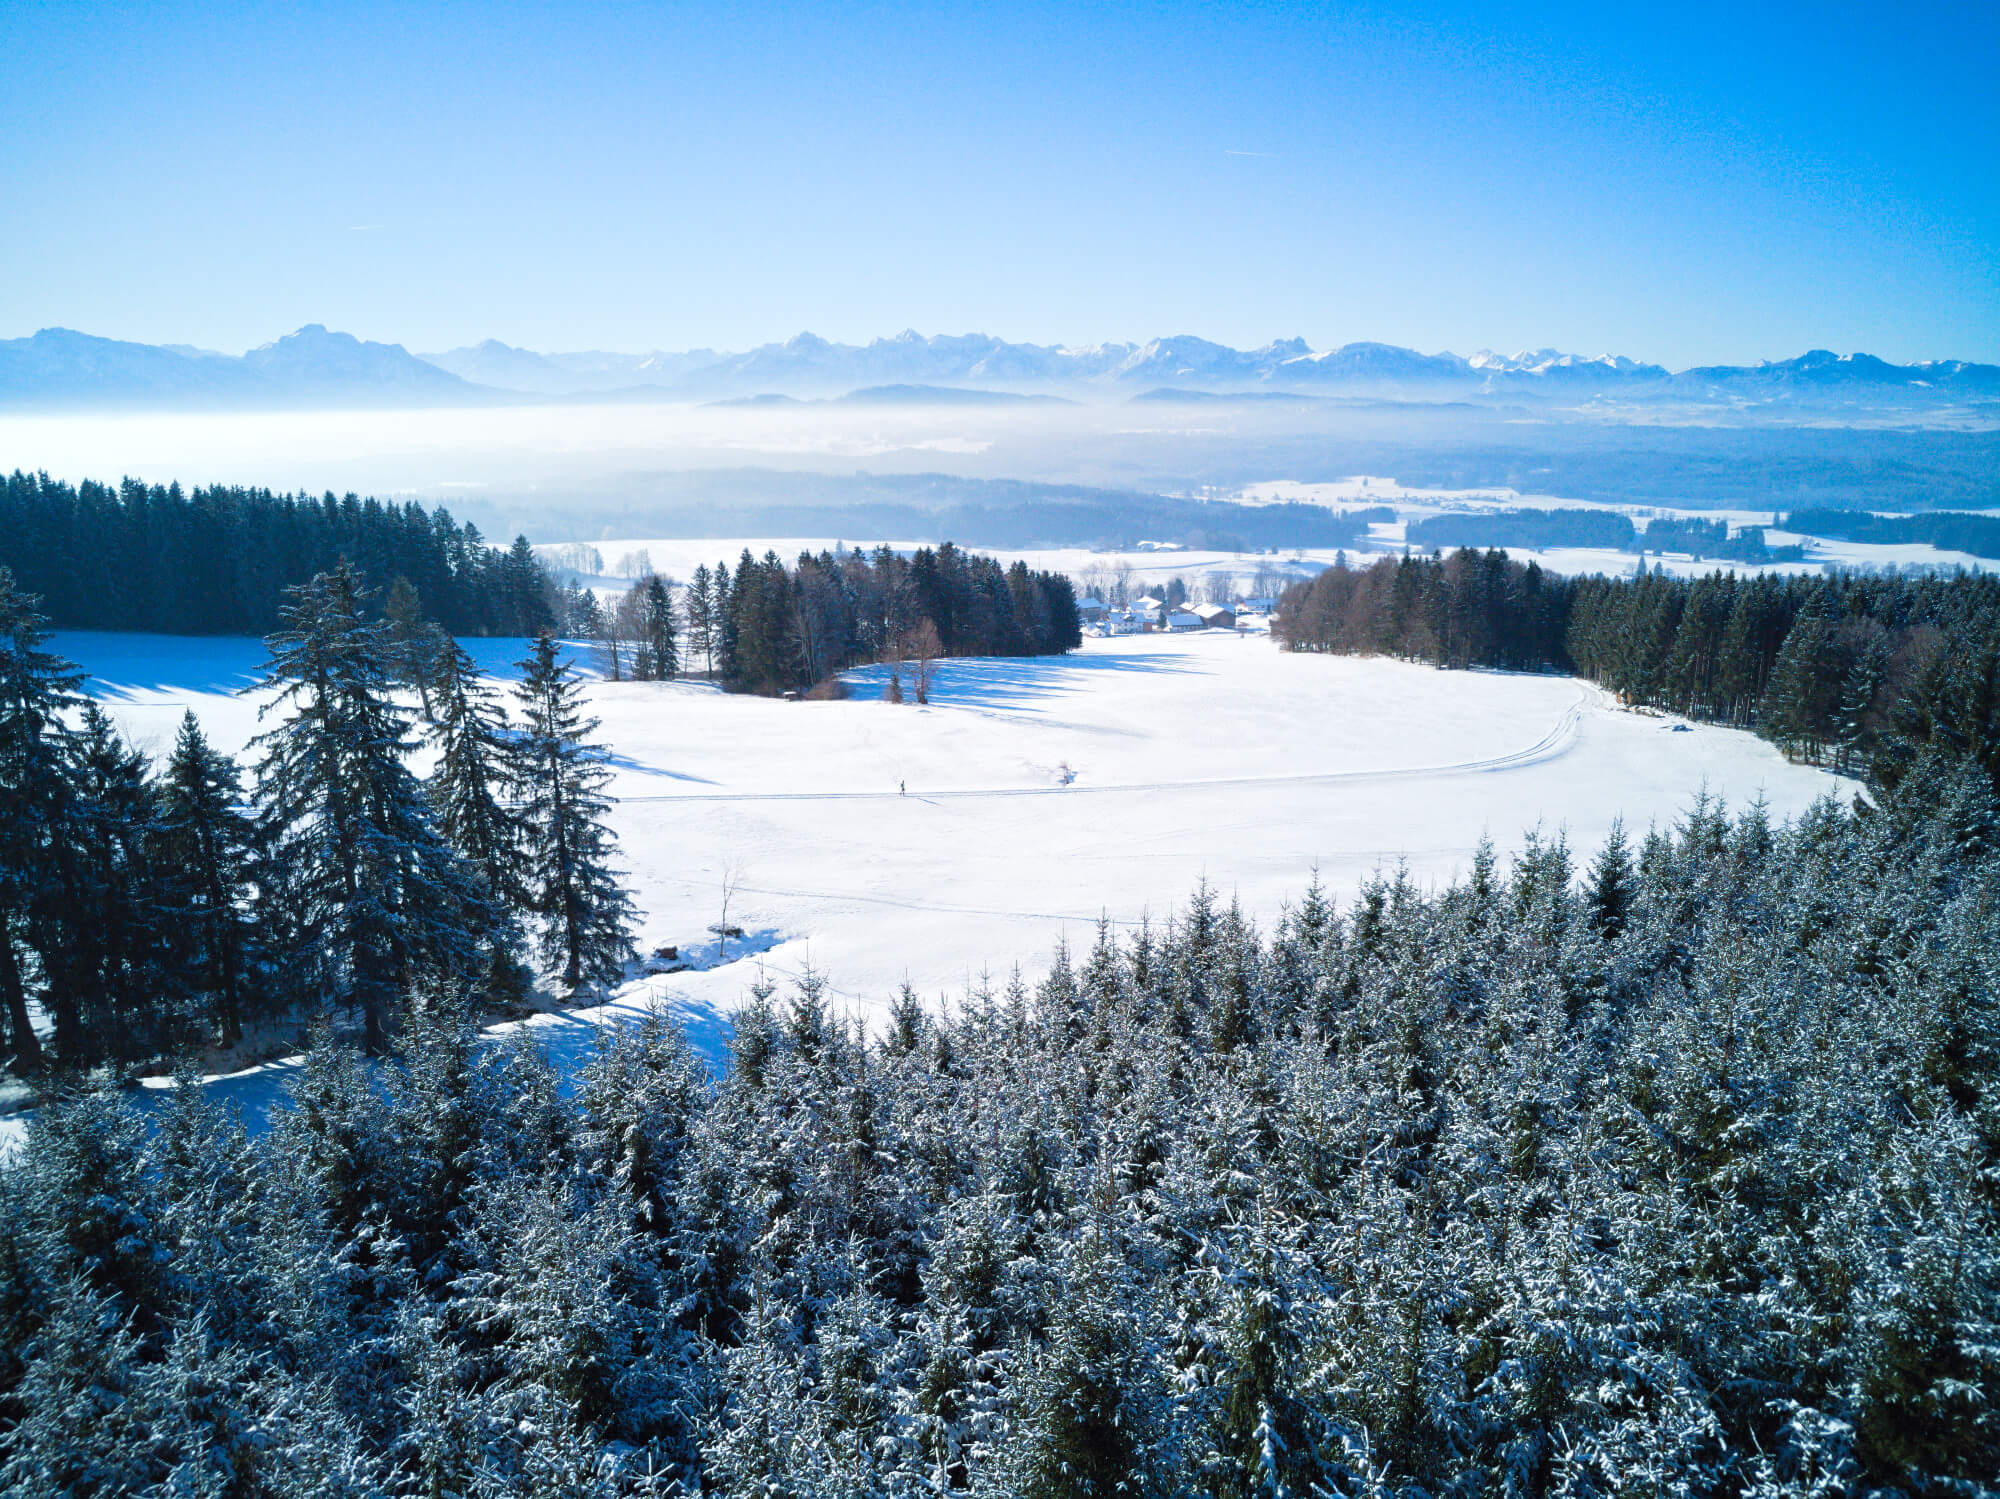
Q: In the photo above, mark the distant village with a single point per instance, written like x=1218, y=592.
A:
x=1147, y=614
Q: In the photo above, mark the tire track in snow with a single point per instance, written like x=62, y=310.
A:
x=1551, y=746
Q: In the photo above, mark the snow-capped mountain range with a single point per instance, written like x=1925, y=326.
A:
x=315, y=367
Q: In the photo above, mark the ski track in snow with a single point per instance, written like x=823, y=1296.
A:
x=1550, y=746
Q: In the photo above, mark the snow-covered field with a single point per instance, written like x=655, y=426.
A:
x=880, y=843
x=1041, y=793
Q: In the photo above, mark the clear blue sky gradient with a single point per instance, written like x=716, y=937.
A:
x=1687, y=183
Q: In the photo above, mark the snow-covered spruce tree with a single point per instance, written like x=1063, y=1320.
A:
x=381, y=906
x=1426, y=1194
x=585, y=914
x=468, y=793
x=1092, y=1416
x=207, y=858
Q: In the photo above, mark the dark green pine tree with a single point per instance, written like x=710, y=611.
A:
x=661, y=652
x=525, y=587
x=734, y=593
x=208, y=858
x=585, y=912
x=1801, y=701
x=107, y=938
x=380, y=905
x=701, y=618
x=1609, y=896
x=36, y=687
x=1857, y=725
x=467, y=794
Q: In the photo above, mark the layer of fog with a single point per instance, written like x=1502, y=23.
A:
x=535, y=463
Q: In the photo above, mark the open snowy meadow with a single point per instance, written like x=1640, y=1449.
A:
x=880, y=843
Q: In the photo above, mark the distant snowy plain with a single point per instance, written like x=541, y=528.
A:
x=880, y=843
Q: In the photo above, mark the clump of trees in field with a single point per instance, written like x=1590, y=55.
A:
x=768, y=628
x=1859, y=671
x=151, y=909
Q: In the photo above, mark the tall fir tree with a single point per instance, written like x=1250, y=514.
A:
x=658, y=647
x=36, y=688
x=380, y=903
x=526, y=588
x=468, y=793
x=108, y=938
x=585, y=913
x=701, y=618
x=208, y=859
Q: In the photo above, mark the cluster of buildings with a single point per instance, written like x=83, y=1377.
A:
x=1145, y=615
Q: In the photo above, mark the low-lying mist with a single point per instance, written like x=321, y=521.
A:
x=560, y=471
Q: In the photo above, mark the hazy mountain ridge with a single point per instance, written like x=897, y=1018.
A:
x=313, y=367
x=59, y=367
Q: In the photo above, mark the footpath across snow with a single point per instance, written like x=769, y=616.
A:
x=880, y=843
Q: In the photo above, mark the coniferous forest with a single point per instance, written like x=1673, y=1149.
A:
x=769, y=628
x=1853, y=670
x=217, y=561
x=1674, y=1169
x=155, y=910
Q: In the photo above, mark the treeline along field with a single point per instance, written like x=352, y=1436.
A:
x=1540, y=530
x=1863, y=672
x=1948, y=530
x=217, y=561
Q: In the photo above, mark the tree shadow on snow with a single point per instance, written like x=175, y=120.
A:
x=121, y=666
x=1017, y=683
x=640, y=768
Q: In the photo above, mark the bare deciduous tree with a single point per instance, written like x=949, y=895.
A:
x=921, y=648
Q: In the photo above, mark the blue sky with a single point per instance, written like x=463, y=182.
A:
x=1686, y=183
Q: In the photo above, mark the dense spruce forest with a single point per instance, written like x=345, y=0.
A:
x=1670, y=1174
x=217, y=561
x=1857, y=671
x=1537, y=529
